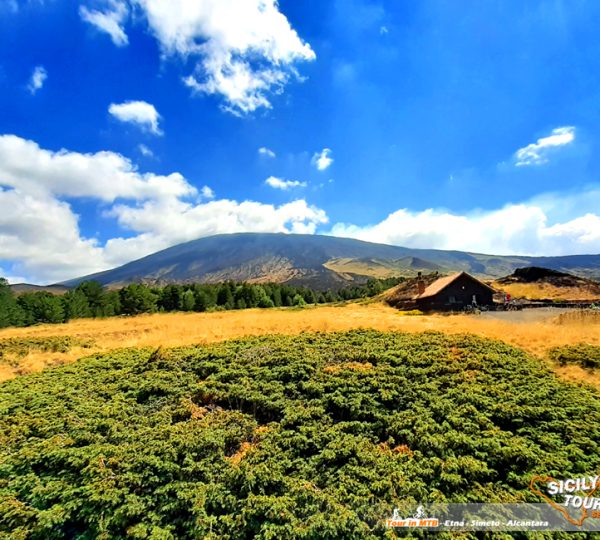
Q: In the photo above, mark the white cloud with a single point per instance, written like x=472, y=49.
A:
x=145, y=151
x=521, y=229
x=37, y=79
x=267, y=152
x=12, y=279
x=189, y=221
x=104, y=175
x=280, y=183
x=110, y=21
x=322, y=160
x=537, y=153
x=246, y=49
x=40, y=235
x=137, y=112
x=207, y=192
x=383, y=30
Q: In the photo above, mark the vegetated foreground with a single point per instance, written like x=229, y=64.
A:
x=176, y=329
x=309, y=436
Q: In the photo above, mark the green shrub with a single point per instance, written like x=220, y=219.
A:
x=304, y=437
x=582, y=354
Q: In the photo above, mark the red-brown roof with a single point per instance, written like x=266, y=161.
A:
x=440, y=284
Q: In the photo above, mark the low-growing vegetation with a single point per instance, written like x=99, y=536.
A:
x=13, y=349
x=90, y=299
x=308, y=436
x=582, y=354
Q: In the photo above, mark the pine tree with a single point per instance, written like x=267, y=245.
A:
x=201, y=300
x=76, y=305
x=10, y=312
x=137, y=298
x=94, y=293
x=188, y=301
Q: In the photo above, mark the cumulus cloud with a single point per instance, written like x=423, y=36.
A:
x=37, y=79
x=515, y=229
x=280, y=183
x=322, y=160
x=207, y=192
x=40, y=234
x=141, y=113
x=537, y=153
x=105, y=176
x=245, y=49
x=266, y=152
x=188, y=221
x=110, y=21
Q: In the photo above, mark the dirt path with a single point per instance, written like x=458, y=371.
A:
x=535, y=315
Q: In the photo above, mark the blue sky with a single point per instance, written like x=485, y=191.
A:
x=127, y=126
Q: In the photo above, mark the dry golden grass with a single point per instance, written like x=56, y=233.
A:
x=583, y=316
x=540, y=291
x=174, y=329
x=578, y=374
x=351, y=267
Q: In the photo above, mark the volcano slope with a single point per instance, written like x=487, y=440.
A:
x=535, y=283
x=307, y=436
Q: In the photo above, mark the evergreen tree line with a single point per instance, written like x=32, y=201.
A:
x=90, y=299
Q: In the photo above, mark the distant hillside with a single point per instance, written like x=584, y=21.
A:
x=317, y=261
x=537, y=283
x=20, y=288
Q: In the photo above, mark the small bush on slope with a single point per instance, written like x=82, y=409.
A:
x=312, y=436
x=582, y=354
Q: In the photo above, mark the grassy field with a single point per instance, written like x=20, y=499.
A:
x=298, y=437
x=175, y=329
x=546, y=291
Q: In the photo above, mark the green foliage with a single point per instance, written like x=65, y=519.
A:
x=225, y=295
x=170, y=298
x=11, y=314
x=305, y=437
x=95, y=296
x=582, y=354
x=137, y=298
x=42, y=307
x=90, y=299
x=188, y=301
x=76, y=305
x=298, y=301
x=111, y=304
x=202, y=300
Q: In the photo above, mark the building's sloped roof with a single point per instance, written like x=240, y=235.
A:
x=440, y=284
x=403, y=294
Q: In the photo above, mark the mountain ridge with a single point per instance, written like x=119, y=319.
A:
x=318, y=261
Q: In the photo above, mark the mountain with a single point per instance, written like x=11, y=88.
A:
x=20, y=288
x=317, y=261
